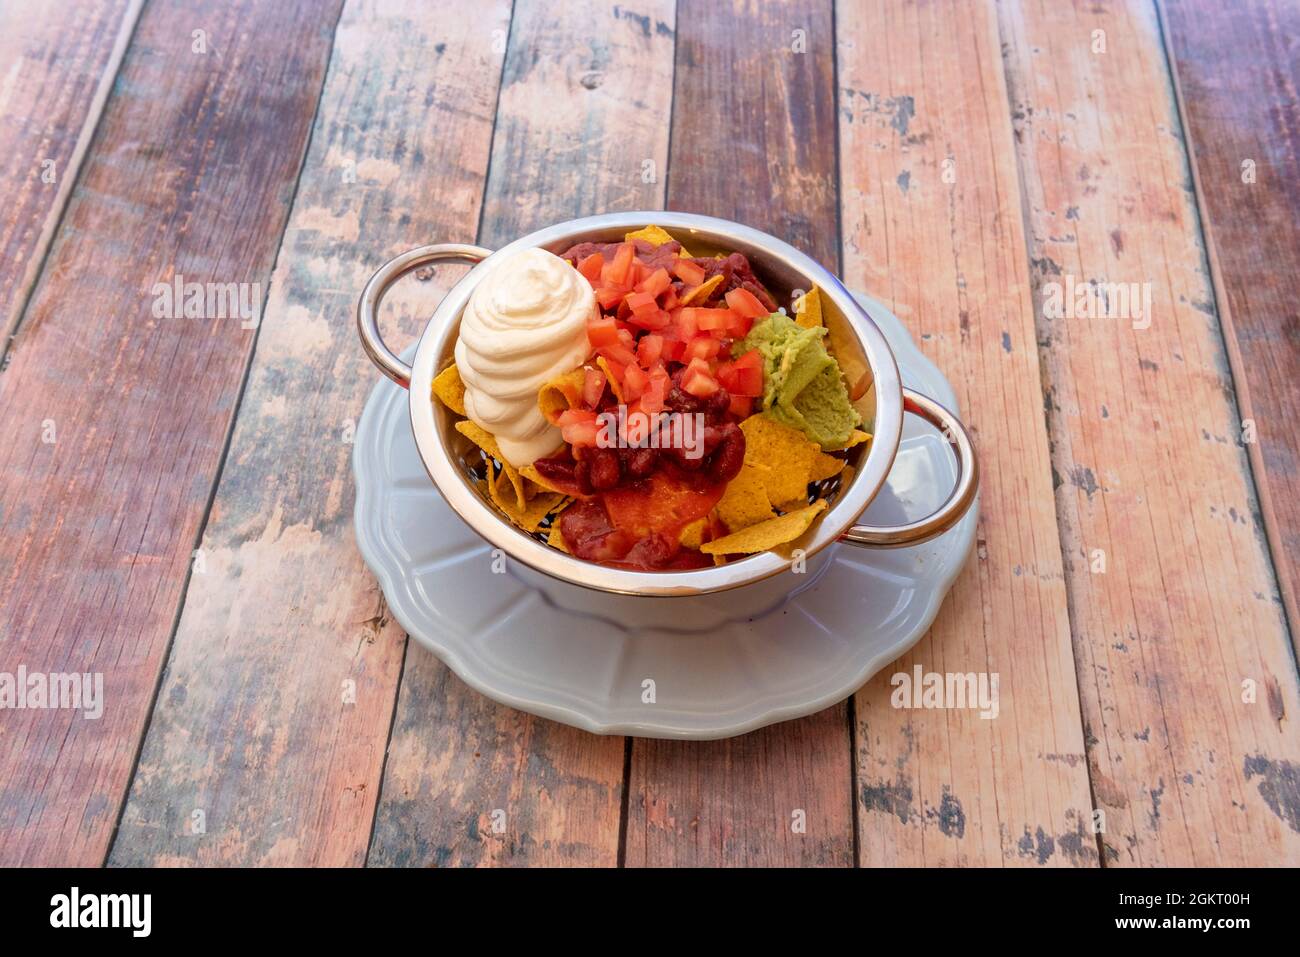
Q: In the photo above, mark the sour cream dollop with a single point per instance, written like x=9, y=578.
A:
x=526, y=322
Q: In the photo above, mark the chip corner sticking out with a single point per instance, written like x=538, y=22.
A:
x=703, y=291
x=610, y=378
x=825, y=466
x=560, y=394
x=808, y=309
x=449, y=389
x=486, y=441
x=529, y=515
x=766, y=535
x=692, y=534
x=655, y=236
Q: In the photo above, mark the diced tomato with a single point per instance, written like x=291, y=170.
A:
x=619, y=269
x=619, y=353
x=601, y=332
x=751, y=359
x=739, y=326
x=652, y=399
x=698, y=380
x=648, y=349
x=615, y=372
x=744, y=377
x=674, y=347
x=653, y=319
x=634, y=382
x=686, y=324
x=688, y=272
x=746, y=303
x=715, y=320
x=593, y=387
x=695, y=315
x=579, y=427
x=641, y=302
x=669, y=300
x=655, y=283
x=637, y=427
x=609, y=296
x=590, y=267
x=742, y=406
x=701, y=347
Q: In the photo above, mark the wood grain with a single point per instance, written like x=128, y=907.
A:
x=101, y=517
x=279, y=693
x=58, y=71
x=1190, y=766
x=1236, y=74
x=753, y=141
x=456, y=759
x=933, y=228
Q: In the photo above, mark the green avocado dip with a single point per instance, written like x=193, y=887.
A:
x=802, y=384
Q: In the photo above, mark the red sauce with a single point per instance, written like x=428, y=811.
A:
x=638, y=525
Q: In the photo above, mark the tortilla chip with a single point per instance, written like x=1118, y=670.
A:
x=782, y=455
x=528, y=516
x=703, y=291
x=450, y=390
x=808, y=309
x=610, y=377
x=745, y=501
x=692, y=535
x=825, y=466
x=655, y=236
x=488, y=443
x=560, y=394
x=533, y=477
x=768, y=534
x=857, y=438
x=555, y=538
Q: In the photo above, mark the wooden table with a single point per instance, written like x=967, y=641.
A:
x=176, y=493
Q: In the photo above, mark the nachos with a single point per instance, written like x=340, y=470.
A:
x=645, y=408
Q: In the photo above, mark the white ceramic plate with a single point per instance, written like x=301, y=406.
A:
x=563, y=654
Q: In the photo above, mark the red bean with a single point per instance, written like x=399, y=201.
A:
x=605, y=470
x=729, y=455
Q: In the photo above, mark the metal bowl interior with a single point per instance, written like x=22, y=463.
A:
x=455, y=464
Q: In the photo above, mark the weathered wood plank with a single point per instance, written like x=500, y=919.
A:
x=456, y=758
x=1235, y=69
x=1188, y=765
x=278, y=697
x=58, y=68
x=753, y=140
x=933, y=227
x=114, y=418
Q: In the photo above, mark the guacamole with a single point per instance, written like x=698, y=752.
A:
x=802, y=384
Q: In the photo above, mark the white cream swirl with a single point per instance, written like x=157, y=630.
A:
x=525, y=323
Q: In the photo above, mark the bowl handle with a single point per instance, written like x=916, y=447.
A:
x=950, y=512
x=384, y=277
